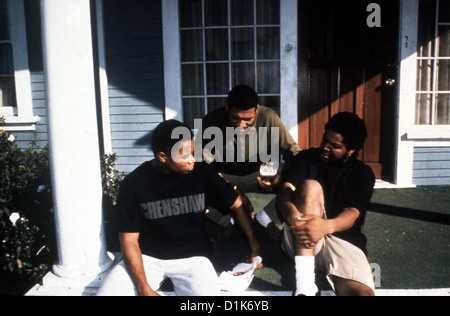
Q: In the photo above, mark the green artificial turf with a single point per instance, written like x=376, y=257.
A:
x=409, y=237
x=408, y=233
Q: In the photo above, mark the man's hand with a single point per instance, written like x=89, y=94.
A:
x=268, y=186
x=147, y=291
x=255, y=252
x=250, y=259
x=309, y=230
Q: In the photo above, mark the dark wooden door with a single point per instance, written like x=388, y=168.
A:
x=344, y=66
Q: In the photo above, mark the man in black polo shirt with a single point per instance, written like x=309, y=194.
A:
x=324, y=199
x=161, y=219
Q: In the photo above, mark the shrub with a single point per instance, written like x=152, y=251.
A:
x=26, y=219
x=27, y=228
x=111, y=178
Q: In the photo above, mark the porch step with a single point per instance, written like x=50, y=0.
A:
x=55, y=286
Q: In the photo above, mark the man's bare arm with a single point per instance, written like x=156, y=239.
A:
x=286, y=205
x=311, y=228
x=132, y=257
x=244, y=221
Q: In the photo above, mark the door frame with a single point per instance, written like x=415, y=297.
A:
x=369, y=79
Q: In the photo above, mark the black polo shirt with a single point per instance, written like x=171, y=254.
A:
x=169, y=210
x=345, y=185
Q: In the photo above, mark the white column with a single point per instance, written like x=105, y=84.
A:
x=407, y=91
x=172, y=66
x=289, y=65
x=73, y=137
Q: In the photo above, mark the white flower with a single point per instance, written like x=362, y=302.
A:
x=41, y=188
x=11, y=138
x=14, y=218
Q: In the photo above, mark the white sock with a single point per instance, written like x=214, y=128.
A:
x=263, y=218
x=305, y=276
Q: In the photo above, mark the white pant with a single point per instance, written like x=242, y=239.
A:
x=194, y=276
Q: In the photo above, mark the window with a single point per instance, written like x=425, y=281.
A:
x=7, y=85
x=225, y=43
x=433, y=75
x=16, y=103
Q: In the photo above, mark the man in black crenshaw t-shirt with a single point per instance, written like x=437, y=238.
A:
x=324, y=199
x=161, y=219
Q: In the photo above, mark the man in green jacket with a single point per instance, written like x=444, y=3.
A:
x=267, y=135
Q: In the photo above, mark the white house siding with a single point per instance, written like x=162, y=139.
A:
x=34, y=46
x=431, y=166
x=39, y=135
x=134, y=64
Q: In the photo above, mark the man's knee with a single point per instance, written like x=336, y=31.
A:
x=310, y=197
x=310, y=187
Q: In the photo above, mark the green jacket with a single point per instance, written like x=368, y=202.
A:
x=265, y=117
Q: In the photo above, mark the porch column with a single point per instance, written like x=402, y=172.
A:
x=289, y=65
x=73, y=138
x=409, y=15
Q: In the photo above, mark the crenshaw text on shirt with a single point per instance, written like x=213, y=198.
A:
x=173, y=207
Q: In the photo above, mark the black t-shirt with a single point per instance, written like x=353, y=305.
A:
x=345, y=185
x=169, y=210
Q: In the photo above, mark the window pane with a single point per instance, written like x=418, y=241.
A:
x=4, y=29
x=6, y=63
x=192, y=80
x=216, y=12
x=242, y=12
x=217, y=79
x=424, y=75
x=243, y=43
x=217, y=45
x=243, y=73
x=443, y=109
x=426, y=29
x=444, y=41
x=190, y=13
x=443, y=75
x=268, y=43
x=216, y=103
x=191, y=46
x=269, y=78
x=7, y=92
x=228, y=52
x=268, y=12
x=423, y=109
x=193, y=109
x=444, y=11
x=272, y=102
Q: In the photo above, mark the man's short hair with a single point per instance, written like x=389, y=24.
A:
x=243, y=97
x=351, y=127
x=162, y=136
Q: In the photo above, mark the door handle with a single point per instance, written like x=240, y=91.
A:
x=391, y=82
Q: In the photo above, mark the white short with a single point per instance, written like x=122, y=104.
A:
x=194, y=276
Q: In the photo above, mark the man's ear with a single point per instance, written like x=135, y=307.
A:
x=161, y=156
x=351, y=152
